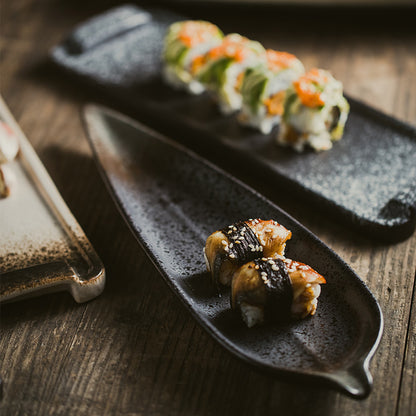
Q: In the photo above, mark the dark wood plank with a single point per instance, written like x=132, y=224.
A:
x=407, y=402
x=135, y=349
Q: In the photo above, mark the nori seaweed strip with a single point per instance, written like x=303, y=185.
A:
x=241, y=239
x=278, y=286
x=219, y=258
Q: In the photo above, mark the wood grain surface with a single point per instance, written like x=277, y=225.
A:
x=135, y=350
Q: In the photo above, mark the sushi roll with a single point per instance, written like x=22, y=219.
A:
x=7, y=181
x=185, y=43
x=9, y=144
x=315, y=112
x=223, y=67
x=275, y=289
x=227, y=249
x=264, y=89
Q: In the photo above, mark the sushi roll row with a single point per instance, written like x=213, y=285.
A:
x=265, y=285
x=266, y=87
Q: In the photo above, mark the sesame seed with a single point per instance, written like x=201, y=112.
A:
x=238, y=242
x=223, y=242
x=232, y=256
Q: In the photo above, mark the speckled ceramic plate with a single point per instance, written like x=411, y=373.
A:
x=173, y=199
x=43, y=249
x=366, y=180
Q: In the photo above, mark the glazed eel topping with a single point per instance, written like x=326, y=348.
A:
x=278, y=294
x=242, y=242
x=273, y=289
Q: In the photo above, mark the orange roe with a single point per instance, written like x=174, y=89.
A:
x=274, y=104
x=231, y=48
x=193, y=33
x=309, y=87
x=279, y=60
x=197, y=63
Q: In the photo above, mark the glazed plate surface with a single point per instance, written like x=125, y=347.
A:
x=43, y=248
x=173, y=200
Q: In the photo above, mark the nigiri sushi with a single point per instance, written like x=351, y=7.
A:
x=275, y=288
x=264, y=89
x=227, y=249
x=315, y=112
x=223, y=67
x=185, y=43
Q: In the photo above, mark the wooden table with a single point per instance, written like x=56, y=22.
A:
x=135, y=350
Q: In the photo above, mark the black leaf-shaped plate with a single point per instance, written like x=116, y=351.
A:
x=173, y=199
x=367, y=179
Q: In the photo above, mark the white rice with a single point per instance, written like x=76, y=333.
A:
x=252, y=315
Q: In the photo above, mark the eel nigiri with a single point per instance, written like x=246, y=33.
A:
x=228, y=248
x=273, y=289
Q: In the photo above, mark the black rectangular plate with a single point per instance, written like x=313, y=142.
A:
x=366, y=180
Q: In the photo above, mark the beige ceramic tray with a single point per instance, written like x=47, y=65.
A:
x=42, y=247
